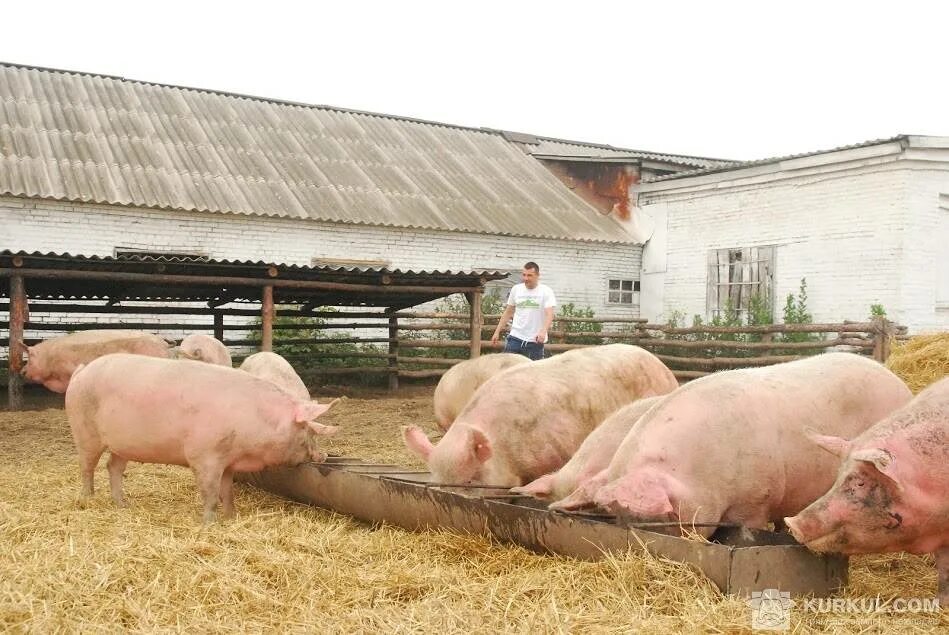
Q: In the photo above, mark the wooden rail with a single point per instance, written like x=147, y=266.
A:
x=425, y=344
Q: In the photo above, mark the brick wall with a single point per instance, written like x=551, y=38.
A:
x=577, y=271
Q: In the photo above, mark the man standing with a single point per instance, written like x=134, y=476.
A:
x=532, y=305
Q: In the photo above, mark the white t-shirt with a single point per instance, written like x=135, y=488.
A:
x=529, y=305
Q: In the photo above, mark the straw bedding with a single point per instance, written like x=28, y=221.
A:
x=921, y=360
x=285, y=567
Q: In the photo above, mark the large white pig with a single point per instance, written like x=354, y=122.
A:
x=593, y=456
x=53, y=361
x=730, y=447
x=530, y=419
x=277, y=370
x=213, y=419
x=456, y=386
x=204, y=348
x=892, y=490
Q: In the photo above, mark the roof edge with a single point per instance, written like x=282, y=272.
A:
x=903, y=140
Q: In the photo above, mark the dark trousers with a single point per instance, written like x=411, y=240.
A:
x=530, y=350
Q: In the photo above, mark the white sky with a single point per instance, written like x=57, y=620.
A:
x=724, y=79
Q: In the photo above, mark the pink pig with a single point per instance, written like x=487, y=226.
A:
x=461, y=381
x=53, y=361
x=204, y=348
x=594, y=455
x=530, y=419
x=729, y=447
x=892, y=490
x=275, y=369
x=213, y=419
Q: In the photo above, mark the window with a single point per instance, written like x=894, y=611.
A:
x=132, y=253
x=622, y=292
x=737, y=276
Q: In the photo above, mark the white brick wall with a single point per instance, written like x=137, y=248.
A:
x=577, y=271
x=861, y=233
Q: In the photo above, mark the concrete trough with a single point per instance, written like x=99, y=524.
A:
x=738, y=562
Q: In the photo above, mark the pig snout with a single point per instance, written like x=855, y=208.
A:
x=812, y=530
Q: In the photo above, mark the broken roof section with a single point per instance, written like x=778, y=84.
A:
x=99, y=139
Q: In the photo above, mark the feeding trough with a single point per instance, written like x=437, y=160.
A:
x=738, y=561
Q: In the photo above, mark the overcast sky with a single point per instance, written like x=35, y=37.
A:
x=738, y=80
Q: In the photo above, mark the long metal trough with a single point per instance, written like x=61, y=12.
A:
x=738, y=561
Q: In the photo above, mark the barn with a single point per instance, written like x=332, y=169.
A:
x=101, y=166
x=863, y=225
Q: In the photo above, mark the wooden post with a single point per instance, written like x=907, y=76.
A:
x=219, y=325
x=476, y=321
x=19, y=314
x=393, y=353
x=883, y=330
x=266, y=320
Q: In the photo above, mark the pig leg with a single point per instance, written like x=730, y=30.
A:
x=116, y=471
x=88, y=459
x=227, y=494
x=209, y=484
x=942, y=568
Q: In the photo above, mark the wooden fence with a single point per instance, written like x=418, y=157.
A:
x=425, y=344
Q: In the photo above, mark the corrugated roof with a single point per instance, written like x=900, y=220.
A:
x=560, y=147
x=422, y=286
x=746, y=164
x=100, y=139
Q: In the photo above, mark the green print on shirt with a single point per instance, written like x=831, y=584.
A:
x=528, y=303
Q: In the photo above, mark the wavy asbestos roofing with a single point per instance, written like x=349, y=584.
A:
x=98, y=139
x=748, y=164
x=563, y=148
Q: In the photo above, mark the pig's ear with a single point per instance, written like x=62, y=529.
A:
x=880, y=459
x=319, y=428
x=835, y=445
x=308, y=411
x=480, y=445
x=416, y=441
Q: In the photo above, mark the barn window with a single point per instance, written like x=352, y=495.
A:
x=131, y=253
x=736, y=276
x=621, y=291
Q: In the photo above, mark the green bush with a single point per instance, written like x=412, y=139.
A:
x=795, y=312
x=569, y=310
x=300, y=355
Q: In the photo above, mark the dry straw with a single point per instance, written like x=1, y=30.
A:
x=921, y=360
x=285, y=567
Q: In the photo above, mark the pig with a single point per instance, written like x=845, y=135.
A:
x=52, y=361
x=215, y=420
x=892, y=490
x=729, y=447
x=530, y=419
x=204, y=348
x=277, y=370
x=463, y=379
x=594, y=455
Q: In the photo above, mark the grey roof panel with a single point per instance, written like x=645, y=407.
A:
x=746, y=164
x=92, y=138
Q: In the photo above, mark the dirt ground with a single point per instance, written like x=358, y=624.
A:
x=285, y=567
